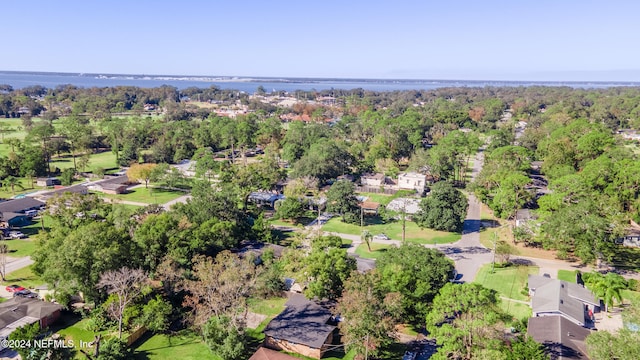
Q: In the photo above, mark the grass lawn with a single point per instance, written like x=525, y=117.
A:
x=376, y=250
x=24, y=277
x=509, y=281
x=148, y=196
x=567, y=275
x=269, y=307
x=73, y=327
x=105, y=160
x=393, y=230
x=631, y=296
x=21, y=247
x=187, y=346
x=516, y=309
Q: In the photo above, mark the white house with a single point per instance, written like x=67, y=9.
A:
x=412, y=181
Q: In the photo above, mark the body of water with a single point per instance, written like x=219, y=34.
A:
x=50, y=80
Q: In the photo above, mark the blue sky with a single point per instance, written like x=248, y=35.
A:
x=462, y=39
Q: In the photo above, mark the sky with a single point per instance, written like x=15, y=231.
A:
x=561, y=40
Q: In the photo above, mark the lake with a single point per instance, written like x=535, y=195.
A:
x=50, y=80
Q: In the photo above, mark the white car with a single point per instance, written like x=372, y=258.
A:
x=16, y=235
x=381, y=237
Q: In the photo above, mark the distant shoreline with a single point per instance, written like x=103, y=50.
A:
x=21, y=79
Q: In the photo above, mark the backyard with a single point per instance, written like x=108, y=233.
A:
x=511, y=283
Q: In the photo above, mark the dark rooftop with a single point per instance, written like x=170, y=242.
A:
x=302, y=322
x=562, y=338
x=20, y=205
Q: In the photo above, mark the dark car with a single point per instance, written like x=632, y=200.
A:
x=14, y=288
x=25, y=294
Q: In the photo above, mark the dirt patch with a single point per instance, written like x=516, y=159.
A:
x=254, y=320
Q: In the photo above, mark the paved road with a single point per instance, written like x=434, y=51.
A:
x=181, y=199
x=14, y=264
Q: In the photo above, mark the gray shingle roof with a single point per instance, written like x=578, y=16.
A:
x=17, y=308
x=562, y=338
x=301, y=322
x=20, y=205
x=576, y=291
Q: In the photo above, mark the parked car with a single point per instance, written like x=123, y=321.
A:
x=17, y=235
x=14, y=288
x=25, y=294
x=381, y=237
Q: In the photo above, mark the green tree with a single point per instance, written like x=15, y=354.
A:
x=114, y=349
x=608, y=287
x=525, y=347
x=25, y=334
x=444, y=209
x=327, y=270
x=289, y=208
x=603, y=345
x=417, y=273
x=77, y=133
x=155, y=314
x=341, y=199
x=224, y=339
x=12, y=182
x=368, y=313
x=465, y=319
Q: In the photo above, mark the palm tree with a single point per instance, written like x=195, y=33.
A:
x=607, y=287
x=12, y=182
x=366, y=237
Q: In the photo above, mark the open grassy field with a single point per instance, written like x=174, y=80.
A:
x=105, y=160
x=147, y=196
x=24, y=277
x=509, y=281
x=376, y=250
x=393, y=230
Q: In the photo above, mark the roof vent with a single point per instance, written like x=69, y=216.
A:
x=561, y=301
x=562, y=286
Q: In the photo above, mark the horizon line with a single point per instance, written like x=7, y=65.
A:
x=244, y=77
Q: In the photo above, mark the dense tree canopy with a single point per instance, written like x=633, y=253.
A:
x=445, y=208
x=417, y=274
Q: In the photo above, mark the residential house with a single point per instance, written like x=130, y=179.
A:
x=75, y=189
x=562, y=338
x=267, y=354
x=18, y=312
x=112, y=185
x=631, y=238
x=374, y=180
x=412, y=181
x=16, y=212
x=304, y=327
x=256, y=249
x=51, y=181
x=552, y=297
x=264, y=198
